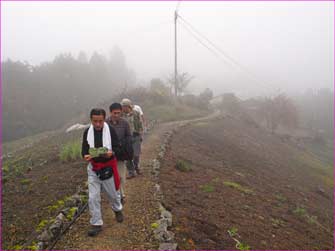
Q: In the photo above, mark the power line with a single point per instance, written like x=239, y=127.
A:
x=215, y=53
x=211, y=43
x=219, y=56
x=242, y=68
x=203, y=44
x=178, y=4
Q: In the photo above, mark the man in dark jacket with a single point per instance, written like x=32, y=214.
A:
x=102, y=170
x=121, y=126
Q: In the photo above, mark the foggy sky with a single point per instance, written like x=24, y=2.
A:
x=287, y=45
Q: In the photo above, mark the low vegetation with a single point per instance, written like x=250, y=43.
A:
x=301, y=212
x=42, y=225
x=208, y=188
x=183, y=166
x=70, y=152
x=281, y=198
x=233, y=233
x=238, y=187
x=72, y=212
x=277, y=222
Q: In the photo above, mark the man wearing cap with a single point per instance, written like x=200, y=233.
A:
x=140, y=111
x=136, y=128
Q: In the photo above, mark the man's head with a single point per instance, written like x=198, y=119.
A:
x=98, y=116
x=115, y=110
x=127, y=105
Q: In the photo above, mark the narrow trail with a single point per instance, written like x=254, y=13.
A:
x=140, y=210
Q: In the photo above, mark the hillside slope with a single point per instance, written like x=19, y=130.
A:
x=228, y=175
x=266, y=191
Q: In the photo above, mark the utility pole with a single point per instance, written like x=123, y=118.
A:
x=175, y=54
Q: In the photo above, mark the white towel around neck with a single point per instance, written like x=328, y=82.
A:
x=106, y=137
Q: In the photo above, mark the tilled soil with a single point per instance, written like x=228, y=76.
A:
x=277, y=198
x=279, y=204
x=43, y=180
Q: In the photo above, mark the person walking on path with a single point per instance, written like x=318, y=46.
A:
x=99, y=145
x=140, y=111
x=122, y=129
x=136, y=128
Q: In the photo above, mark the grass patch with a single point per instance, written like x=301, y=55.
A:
x=61, y=203
x=183, y=166
x=72, y=212
x=33, y=246
x=233, y=233
x=52, y=208
x=281, y=198
x=238, y=187
x=312, y=220
x=300, y=211
x=84, y=198
x=45, y=178
x=208, y=188
x=70, y=152
x=242, y=246
x=277, y=222
x=16, y=247
x=12, y=168
x=41, y=225
x=5, y=168
x=25, y=181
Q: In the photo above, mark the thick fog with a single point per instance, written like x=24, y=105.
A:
x=288, y=46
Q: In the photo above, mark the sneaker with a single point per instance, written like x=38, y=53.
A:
x=94, y=230
x=119, y=216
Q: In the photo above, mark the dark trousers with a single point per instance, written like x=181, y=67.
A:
x=133, y=165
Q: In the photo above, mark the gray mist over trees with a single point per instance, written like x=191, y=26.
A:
x=45, y=97
x=60, y=59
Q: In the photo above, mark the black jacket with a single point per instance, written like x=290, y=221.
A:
x=98, y=143
x=123, y=132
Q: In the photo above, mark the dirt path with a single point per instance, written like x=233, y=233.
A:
x=140, y=211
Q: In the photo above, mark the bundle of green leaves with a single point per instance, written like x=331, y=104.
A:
x=97, y=152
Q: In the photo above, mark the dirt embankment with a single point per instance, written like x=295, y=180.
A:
x=237, y=186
